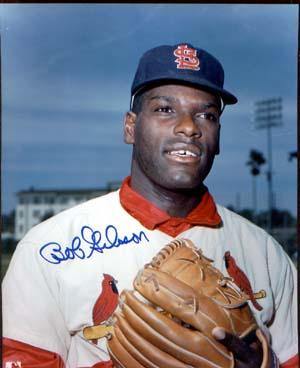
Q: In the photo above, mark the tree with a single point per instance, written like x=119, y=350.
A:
x=8, y=222
x=292, y=155
x=280, y=219
x=256, y=159
x=47, y=215
x=8, y=226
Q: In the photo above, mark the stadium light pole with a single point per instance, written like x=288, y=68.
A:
x=268, y=114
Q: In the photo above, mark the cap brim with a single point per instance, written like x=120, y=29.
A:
x=227, y=97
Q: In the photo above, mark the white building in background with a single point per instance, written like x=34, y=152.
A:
x=35, y=205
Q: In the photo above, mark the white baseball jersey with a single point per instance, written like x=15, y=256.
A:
x=56, y=273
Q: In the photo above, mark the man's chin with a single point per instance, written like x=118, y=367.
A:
x=182, y=183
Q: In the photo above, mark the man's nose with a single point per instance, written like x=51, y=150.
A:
x=188, y=126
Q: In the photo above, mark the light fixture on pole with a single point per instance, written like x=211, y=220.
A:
x=268, y=114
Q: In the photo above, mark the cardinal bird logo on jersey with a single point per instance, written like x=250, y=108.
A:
x=107, y=301
x=104, y=307
x=242, y=281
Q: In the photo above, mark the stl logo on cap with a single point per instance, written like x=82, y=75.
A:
x=186, y=58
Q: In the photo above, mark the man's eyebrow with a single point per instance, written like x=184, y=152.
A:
x=210, y=104
x=174, y=99
x=166, y=98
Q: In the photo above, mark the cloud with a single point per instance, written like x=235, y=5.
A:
x=67, y=71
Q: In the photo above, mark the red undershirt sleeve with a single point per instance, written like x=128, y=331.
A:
x=20, y=355
x=291, y=363
x=17, y=354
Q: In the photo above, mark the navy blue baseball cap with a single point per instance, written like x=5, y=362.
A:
x=181, y=63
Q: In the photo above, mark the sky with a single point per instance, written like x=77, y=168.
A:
x=66, y=77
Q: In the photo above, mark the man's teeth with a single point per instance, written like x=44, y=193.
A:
x=182, y=153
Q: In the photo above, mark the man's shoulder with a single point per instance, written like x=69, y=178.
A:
x=231, y=219
x=243, y=234
x=95, y=205
x=98, y=207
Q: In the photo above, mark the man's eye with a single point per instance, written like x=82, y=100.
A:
x=208, y=116
x=165, y=109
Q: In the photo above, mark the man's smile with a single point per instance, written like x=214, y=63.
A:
x=182, y=152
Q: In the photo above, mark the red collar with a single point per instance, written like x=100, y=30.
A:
x=205, y=214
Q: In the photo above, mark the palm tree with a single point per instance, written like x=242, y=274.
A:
x=256, y=159
x=292, y=155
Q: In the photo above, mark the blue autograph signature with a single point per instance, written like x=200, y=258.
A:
x=90, y=241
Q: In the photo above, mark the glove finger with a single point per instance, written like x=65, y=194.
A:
x=120, y=356
x=188, y=346
x=268, y=355
x=241, y=350
x=182, y=301
x=148, y=353
x=181, y=260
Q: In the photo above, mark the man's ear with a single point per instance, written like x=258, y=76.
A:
x=218, y=144
x=129, y=126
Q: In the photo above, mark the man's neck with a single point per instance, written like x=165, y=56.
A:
x=175, y=203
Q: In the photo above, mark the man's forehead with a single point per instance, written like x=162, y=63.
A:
x=178, y=92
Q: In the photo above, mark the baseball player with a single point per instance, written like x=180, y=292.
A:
x=64, y=280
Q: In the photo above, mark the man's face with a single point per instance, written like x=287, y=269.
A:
x=175, y=136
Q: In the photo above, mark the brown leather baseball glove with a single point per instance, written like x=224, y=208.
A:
x=166, y=321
